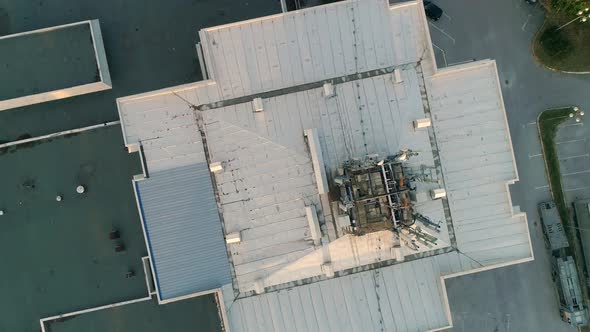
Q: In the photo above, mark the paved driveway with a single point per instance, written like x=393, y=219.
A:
x=518, y=298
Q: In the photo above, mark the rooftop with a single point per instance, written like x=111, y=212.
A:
x=57, y=255
x=147, y=316
x=36, y=58
x=52, y=63
x=293, y=103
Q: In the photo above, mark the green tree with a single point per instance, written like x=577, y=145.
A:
x=565, y=6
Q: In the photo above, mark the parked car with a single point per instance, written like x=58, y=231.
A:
x=433, y=11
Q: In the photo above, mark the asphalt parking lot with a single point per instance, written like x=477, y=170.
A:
x=522, y=297
x=573, y=149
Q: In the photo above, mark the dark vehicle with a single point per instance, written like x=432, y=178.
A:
x=433, y=11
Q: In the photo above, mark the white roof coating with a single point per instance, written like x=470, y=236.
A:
x=406, y=298
x=478, y=162
x=312, y=45
x=164, y=124
x=268, y=177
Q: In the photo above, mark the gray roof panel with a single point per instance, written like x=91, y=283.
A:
x=183, y=231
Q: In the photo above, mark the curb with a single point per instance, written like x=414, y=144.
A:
x=543, y=148
x=537, y=60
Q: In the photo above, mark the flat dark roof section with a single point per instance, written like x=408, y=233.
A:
x=47, y=60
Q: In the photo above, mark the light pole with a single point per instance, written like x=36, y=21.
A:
x=577, y=113
x=583, y=16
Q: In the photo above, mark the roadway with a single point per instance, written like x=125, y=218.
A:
x=522, y=297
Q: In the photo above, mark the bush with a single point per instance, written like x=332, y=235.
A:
x=555, y=42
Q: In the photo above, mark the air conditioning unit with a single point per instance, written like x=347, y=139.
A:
x=329, y=90
x=133, y=148
x=397, y=76
x=422, y=123
x=216, y=167
x=438, y=193
x=328, y=269
x=234, y=237
x=259, y=286
x=257, y=105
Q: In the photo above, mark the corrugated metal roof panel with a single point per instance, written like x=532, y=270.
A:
x=184, y=231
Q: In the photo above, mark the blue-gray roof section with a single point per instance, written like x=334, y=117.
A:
x=183, y=231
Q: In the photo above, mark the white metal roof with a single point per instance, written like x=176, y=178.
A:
x=164, y=124
x=311, y=45
x=406, y=297
x=478, y=162
x=268, y=175
x=184, y=234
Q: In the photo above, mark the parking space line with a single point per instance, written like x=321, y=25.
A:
x=442, y=52
x=447, y=16
x=573, y=157
x=579, y=188
x=526, y=22
x=574, y=173
x=531, y=156
x=571, y=141
x=574, y=124
x=542, y=187
x=442, y=31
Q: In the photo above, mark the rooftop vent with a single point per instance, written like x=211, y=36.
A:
x=257, y=105
x=329, y=90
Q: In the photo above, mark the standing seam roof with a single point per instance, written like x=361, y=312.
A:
x=183, y=231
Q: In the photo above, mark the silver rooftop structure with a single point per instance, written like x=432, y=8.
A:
x=266, y=90
x=184, y=235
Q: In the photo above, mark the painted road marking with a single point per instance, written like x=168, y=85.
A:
x=574, y=173
x=526, y=22
x=443, y=54
x=442, y=31
x=542, y=187
x=531, y=156
x=579, y=188
x=574, y=124
x=573, y=157
x=571, y=141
